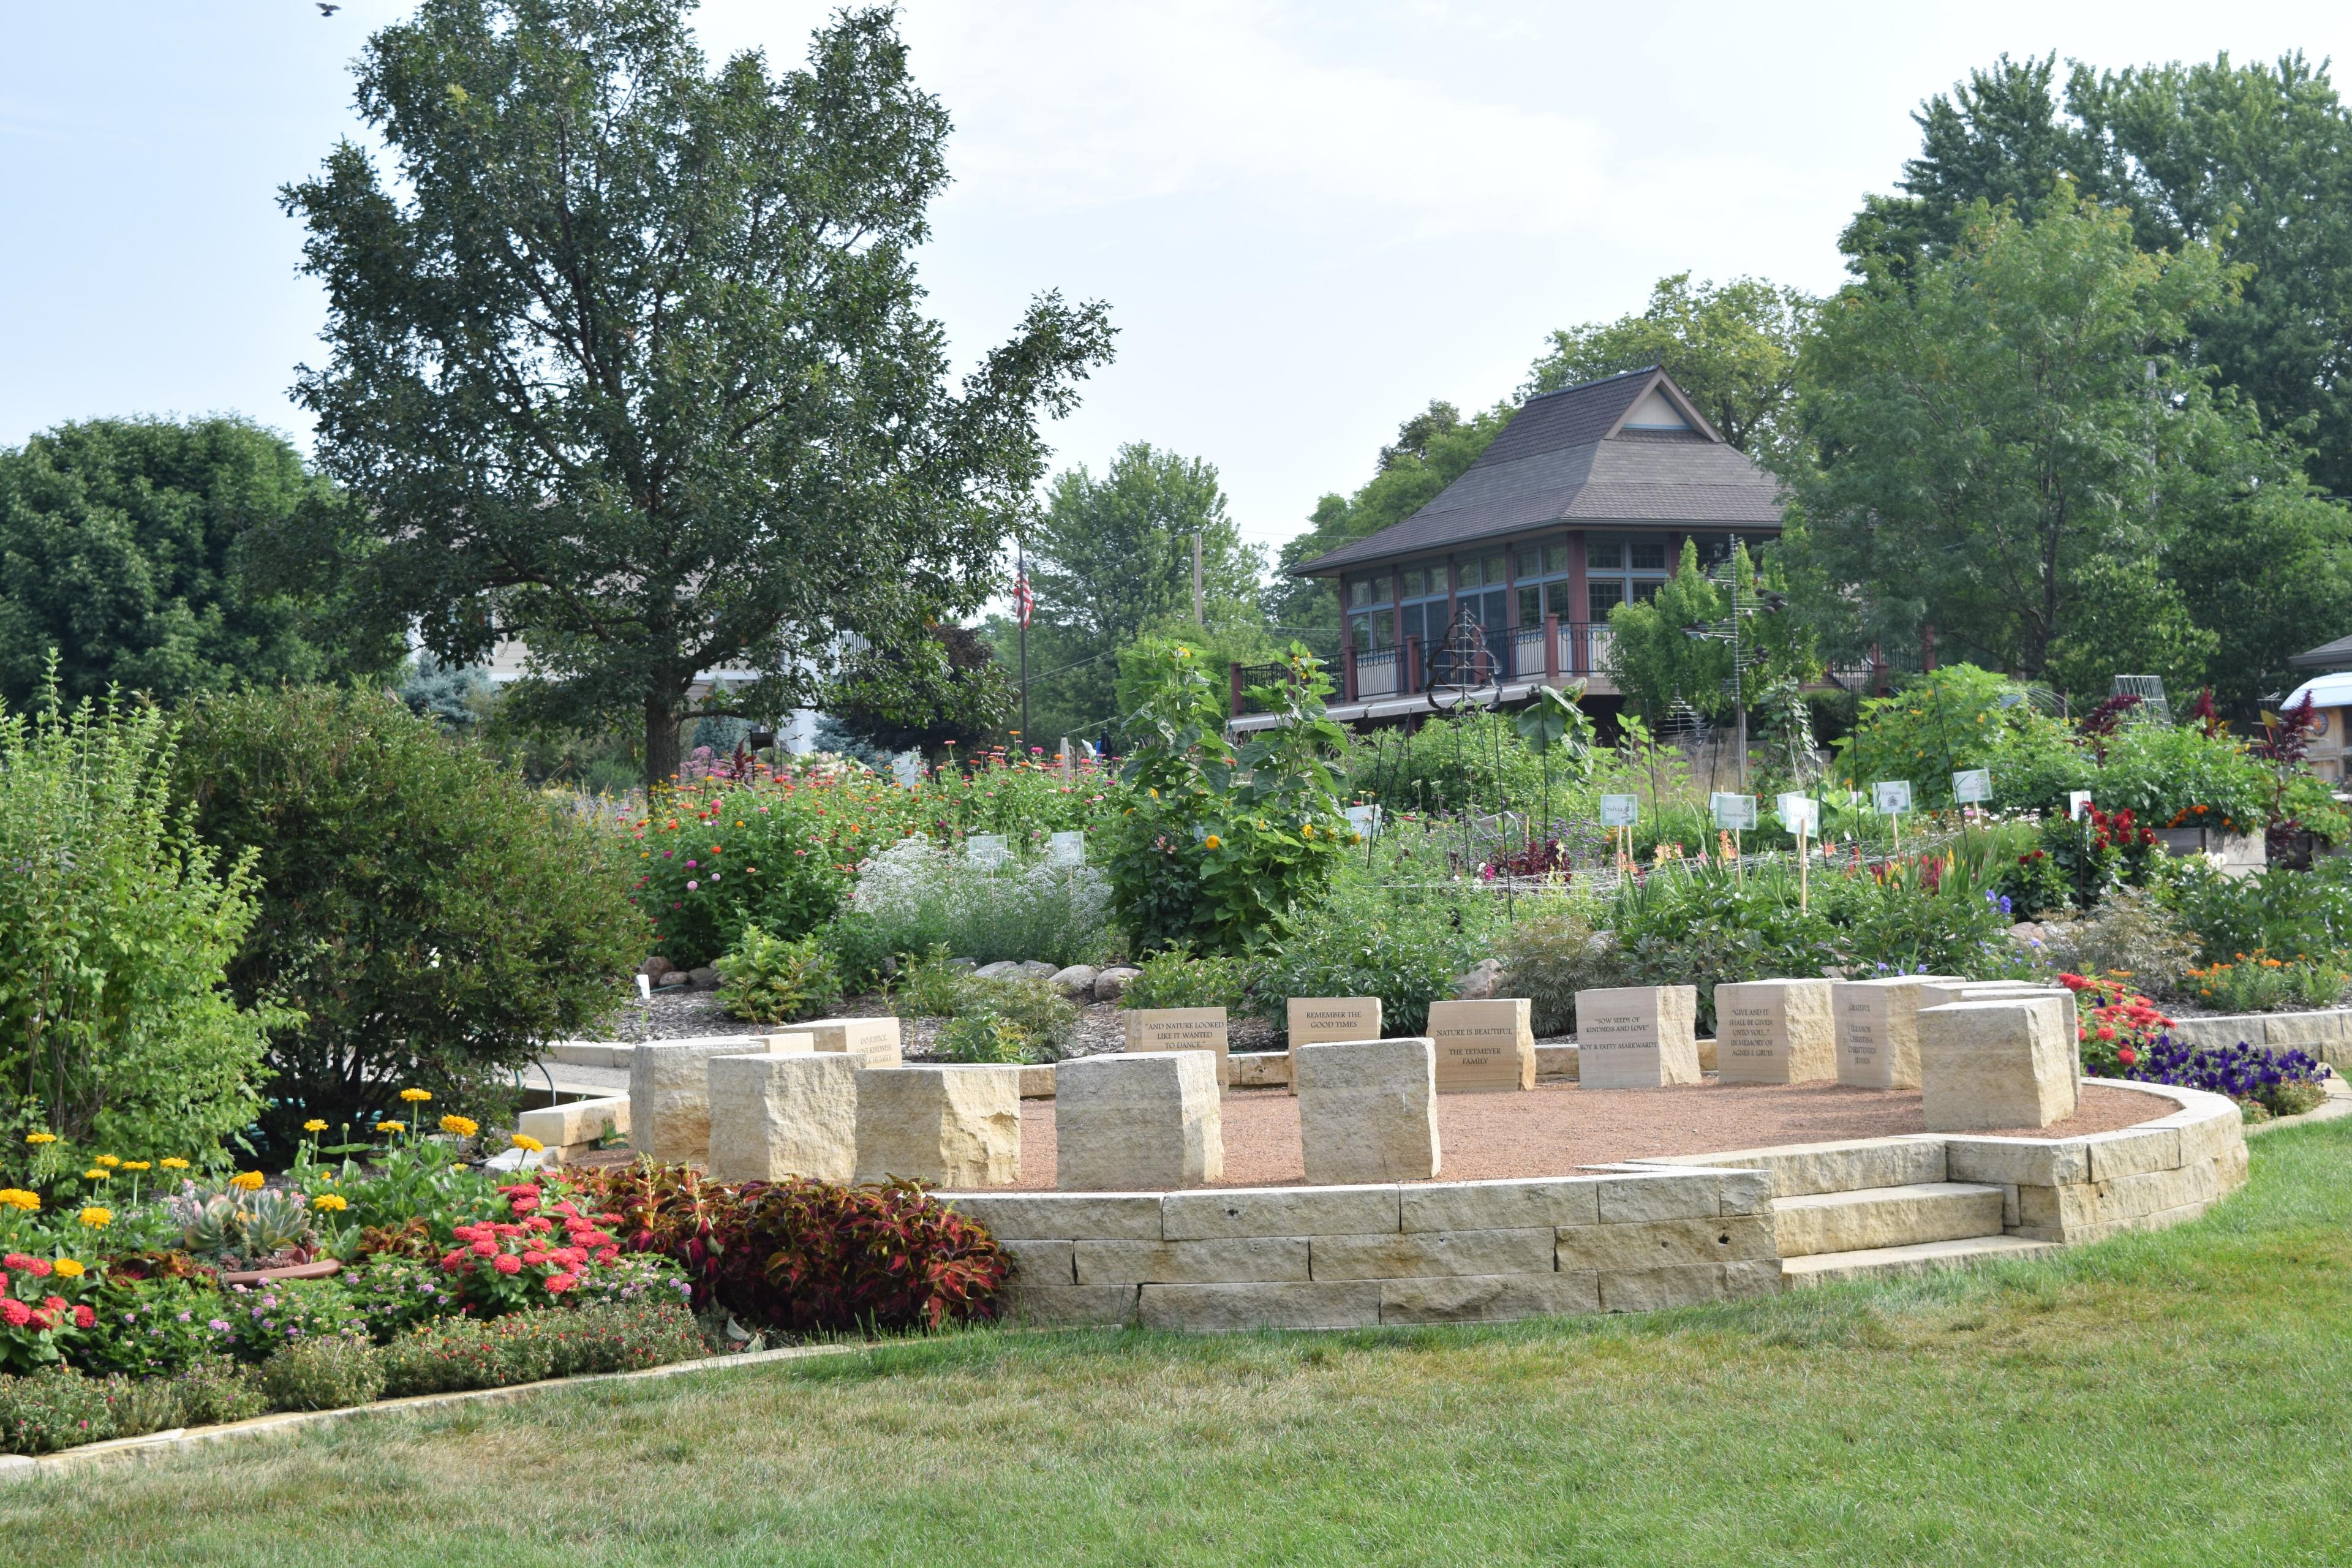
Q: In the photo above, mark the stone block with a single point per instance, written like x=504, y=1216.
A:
x=1799, y=1170
x=1145, y=1120
x=1668, y=1195
x=2133, y=1151
x=1482, y=1046
x=1258, y=1069
x=1649, y=1290
x=2056, y=1213
x=1936, y=994
x=1758, y=1277
x=2018, y=1162
x=576, y=1122
x=1041, y=1262
x=1665, y=1243
x=1774, y=1031
x=1985, y=1065
x=1706, y=1062
x=949, y=1126
x=1504, y=1204
x=1221, y=1308
x=1637, y=1037
x=1233, y=1261
x=1746, y=1192
x=1427, y=1252
x=1877, y=1030
x=670, y=1095
x=1279, y=1211
x=1081, y=1217
x=1368, y=1110
x=778, y=1115
x=791, y=1042
x=872, y=1041
x=1557, y=1061
x=1037, y=1081
x=1160, y=1029
x=1489, y=1297
x=2206, y=1134
x=2310, y=1031
x=1878, y=1217
x=1071, y=1306
x=1326, y=1020
x=2230, y=1167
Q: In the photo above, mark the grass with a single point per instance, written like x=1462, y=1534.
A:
x=2166, y=1399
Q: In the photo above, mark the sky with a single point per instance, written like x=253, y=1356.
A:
x=1308, y=219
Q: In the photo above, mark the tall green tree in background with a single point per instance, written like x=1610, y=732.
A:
x=1432, y=450
x=1732, y=347
x=123, y=548
x=628, y=359
x=1110, y=560
x=2255, y=159
x=2012, y=441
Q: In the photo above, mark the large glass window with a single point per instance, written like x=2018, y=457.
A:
x=1541, y=573
x=1621, y=568
x=1372, y=624
x=1422, y=611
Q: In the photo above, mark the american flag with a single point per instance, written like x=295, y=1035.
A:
x=1024, y=601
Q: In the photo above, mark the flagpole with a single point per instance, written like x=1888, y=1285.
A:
x=1021, y=614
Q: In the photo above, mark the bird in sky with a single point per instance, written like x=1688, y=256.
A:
x=327, y=10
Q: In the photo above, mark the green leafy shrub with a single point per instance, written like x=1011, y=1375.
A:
x=59, y=1408
x=153, y=1328
x=2285, y=912
x=769, y=980
x=2255, y=981
x=216, y=1389
x=456, y=1353
x=919, y=896
x=323, y=1374
x=621, y=1336
x=1353, y=944
x=1225, y=844
x=1550, y=957
x=861, y=948
x=393, y=1295
x=431, y=918
x=1956, y=717
x=2131, y=936
x=987, y=1038
x=1176, y=977
x=2182, y=777
x=115, y=1022
x=265, y=1318
x=1032, y=1005
x=1476, y=761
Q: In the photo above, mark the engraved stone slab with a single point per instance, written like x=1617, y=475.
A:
x=1774, y=1031
x=1179, y=1029
x=1637, y=1037
x=1143, y=1120
x=872, y=1041
x=1482, y=1046
x=784, y=1114
x=1321, y=1020
x=1368, y=1110
x=1877, y=1031
x=1997, y=1064
x=949, y=1126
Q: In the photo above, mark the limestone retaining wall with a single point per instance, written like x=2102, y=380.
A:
x=1621, y=1239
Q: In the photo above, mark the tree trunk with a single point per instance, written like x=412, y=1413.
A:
x=661, y=740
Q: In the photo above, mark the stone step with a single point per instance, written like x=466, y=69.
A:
x=1918, y=1258
x=1877, y=1217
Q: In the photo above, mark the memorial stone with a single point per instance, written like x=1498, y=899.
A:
x=670, y=1095
x=1143, y=1120
x=1482, y=1046
x=1877, y=1034
x=1774, y=1031
x=784, y=1114
x=1637, y=1037
x=1989, y=1065
x=1368, y=1110
x=1319, y=1020
x=1179, y=1029
x=947, y=1126
x=872, y=1041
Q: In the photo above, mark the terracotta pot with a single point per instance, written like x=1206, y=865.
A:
x=319, y=1270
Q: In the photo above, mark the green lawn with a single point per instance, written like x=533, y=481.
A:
x=2179, y=1398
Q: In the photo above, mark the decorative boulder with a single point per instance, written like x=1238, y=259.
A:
x=1136, y=1120
x=1110, y=984
x=1003, y=969
x=946, y=1126
x=778, y=1115
x=1368, y=1110
x=1484, y=978
x=1077, y=982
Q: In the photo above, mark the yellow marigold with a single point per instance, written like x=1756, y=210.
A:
x=18, y=1198
x=525, y=1141
x=314, y=1125
x=136, y=1165
x=173, y=1164
x=329, y=1203
x=247, y=1180
x=1212, y=841
x=464, y=1127
x=416, y=1096
x=66, y=1268
x=97, y=1173
x=109, y=1161
x=392, y=1126
x=96, y=1218
x=41, y=1137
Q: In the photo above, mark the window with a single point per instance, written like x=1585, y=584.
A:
x=1424, y=611
x=1542, y=572
x=1621, y=568
x=1714, y=548
x=1373, y=632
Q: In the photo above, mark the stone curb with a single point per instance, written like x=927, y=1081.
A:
x=2339, y=1105
x=180, y=1439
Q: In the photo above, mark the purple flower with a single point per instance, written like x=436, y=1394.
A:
x=218, y=1327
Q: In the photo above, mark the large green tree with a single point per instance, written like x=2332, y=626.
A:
x=628, y=358
x=123, y=548
x=2255, y=158
x=1110, y=558
x=2011, y=442
x=1732, y=347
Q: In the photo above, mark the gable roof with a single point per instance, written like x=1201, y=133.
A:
x=1598, y=454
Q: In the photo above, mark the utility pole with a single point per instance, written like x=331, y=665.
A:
x=1023, y=601
x=1199, y=619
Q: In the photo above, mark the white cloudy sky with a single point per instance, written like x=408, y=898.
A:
x=1309, y=218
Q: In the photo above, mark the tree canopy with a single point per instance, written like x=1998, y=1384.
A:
x=627, y=359
x=123, y=548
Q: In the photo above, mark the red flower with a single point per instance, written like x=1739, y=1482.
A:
x=557, y=1284
x=53, y=1303
x=608, y=1255
x=38, y=1267
x=2126, y=1056
x=486, y=1248
x=2106, y=1033
x=15, y=1313
x=17, y=1261
x=509, y=1264
x=534, y=1257
x=539, y=1222
x=452, y=1262
x=84, y=1316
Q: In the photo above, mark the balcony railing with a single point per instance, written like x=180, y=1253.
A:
x=1519, y=653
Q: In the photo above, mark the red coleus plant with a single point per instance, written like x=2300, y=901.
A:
x=531, y=1258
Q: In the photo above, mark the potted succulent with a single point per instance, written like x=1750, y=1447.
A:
x=251, y=1233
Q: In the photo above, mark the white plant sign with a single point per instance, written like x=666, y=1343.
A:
x=1891, y=796
x=1972, y=786
x=1733, y=813
x=1798, y=813
x=1620, y=810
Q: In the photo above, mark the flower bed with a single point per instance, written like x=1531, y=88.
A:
x=2123, y=1035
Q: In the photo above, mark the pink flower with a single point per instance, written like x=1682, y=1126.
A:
x=38, y=1267
x=15, y=1313
x=84, y=1316
x=17, y=1261
x=534, y=1257
x=557, y=1284
x=452, y=1262
x=608, y=1255
x=540, y=1222
x=486, y=1248
x=509, y=1264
